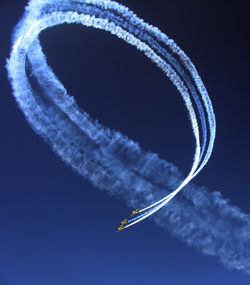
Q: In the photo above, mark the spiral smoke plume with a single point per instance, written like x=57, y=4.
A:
x=107, y=158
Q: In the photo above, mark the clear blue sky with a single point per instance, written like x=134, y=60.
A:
x=55, y=228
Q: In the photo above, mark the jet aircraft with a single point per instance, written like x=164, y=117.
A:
x=134, y=212
x=124, y=222
x=120, y=228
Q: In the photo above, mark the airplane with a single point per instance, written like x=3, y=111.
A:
x=134, y=212
x=124, y=222
x=120, y=228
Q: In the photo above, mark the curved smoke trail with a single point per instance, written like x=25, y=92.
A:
x=116, y=19
x=109, y=159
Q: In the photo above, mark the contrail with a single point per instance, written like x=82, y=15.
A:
x=109, y=159
x=118, y=20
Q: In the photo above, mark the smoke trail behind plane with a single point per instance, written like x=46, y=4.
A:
x=108, y=159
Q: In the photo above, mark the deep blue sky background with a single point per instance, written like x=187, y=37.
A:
x=55, y=228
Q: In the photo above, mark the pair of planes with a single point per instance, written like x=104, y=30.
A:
x=122, y=223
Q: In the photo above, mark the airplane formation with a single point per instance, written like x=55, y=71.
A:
x=122, y=223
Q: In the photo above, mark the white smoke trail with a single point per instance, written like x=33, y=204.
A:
x=54, y=18
x=107, y=158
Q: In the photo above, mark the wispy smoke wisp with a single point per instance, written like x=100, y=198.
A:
x=109, y=159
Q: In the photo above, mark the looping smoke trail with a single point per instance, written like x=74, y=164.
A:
x=107, y=158
x=121, y=22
